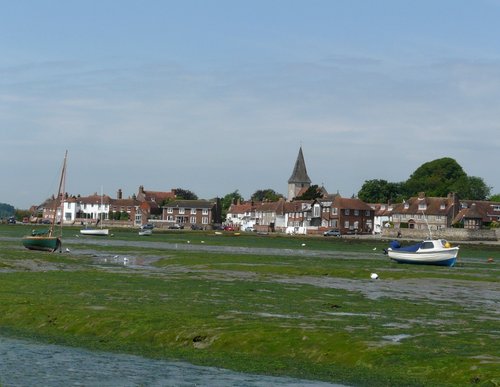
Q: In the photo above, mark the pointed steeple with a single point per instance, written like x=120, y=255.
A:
x=299, y=179
x=299, y=174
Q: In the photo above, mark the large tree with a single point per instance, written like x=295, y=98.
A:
x=380, y=191
x=436, y=178
x=6, y=210
x=266, y=195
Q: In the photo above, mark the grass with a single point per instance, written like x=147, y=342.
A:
x=297, y=313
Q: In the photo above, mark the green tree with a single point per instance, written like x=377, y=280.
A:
x=185, y=194
x=435, y=178
x=471, y=187
x=495, y=198
x=6, y=210
x=311, y=193
x=381, y=191
x=227, y=200
x=266, y=195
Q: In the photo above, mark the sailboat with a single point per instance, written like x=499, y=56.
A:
x=97, y=231
x=46, y=240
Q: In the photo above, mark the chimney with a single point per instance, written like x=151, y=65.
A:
x=119, y=194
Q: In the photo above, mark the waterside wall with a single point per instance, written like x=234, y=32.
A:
x=452, y=234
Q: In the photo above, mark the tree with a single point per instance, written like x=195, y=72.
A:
x=311, y=193
x=380, y=191
x=227, y=200
x=6, y=210
x=495, y=198
x=435, y=178
x=266, y=195
x=471, y=187
x=185, y=194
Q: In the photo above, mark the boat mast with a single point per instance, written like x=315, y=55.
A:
x=427, y=223
x=61, y=184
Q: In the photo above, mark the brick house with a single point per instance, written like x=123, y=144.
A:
x=191, y=213
x=351, y=215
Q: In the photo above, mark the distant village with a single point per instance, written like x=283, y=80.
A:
x=348, y=216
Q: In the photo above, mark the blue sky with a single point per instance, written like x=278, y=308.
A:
x=217, y=96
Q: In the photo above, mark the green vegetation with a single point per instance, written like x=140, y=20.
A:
x=303, y=307
x=436, y=178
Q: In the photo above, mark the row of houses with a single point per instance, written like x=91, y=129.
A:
x=348, y=215
x=351, y=215
x=159, y=207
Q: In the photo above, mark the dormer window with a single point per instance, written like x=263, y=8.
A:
x=406, y=206
x=443, y=206
x=422, y=206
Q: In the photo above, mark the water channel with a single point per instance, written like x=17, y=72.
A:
x=25, y=363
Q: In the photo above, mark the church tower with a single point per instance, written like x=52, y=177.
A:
x=299, y=179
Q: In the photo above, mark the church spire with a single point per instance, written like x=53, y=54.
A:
x=299, y=174
x=299, y=179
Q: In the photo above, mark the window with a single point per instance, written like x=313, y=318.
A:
x=356, y=212
x=422, y=206
x=192, y=219
x=182, y=210
x=496, y=208
x=346, y=224
x=170, y=210
x=205, y=211
x=406, y=206
x=193, y=211
x=334, y=211
x=316, y=211
x=346, y=211
x=204, y=220
x=367, y=213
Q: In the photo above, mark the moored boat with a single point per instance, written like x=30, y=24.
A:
x=428, y=252
x=95, y=231
x=46, y=240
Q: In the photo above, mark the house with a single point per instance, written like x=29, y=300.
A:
x=382, y=216
x=475, y=214
x=297, y=216
x=155, y=200
x=191, y=213
x=351, y=215
x=270, y=216
x=422, y=212
x=241, y=215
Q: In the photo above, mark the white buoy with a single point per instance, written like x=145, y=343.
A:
x=374, y=276
x=67, y=250
x=303, y=244
x=374, y=248
x=188, y=242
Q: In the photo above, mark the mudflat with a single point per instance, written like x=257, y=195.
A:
x=294, y=306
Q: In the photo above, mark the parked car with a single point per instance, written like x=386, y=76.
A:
x=176, y=226
x=333, y=232
x=228, y=228
x=147, y=226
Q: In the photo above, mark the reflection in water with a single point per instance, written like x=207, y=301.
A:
x=23, y=363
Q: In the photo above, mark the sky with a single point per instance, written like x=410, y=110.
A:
x=217, y=96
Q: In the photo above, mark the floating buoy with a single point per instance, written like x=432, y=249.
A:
x=374, y=276
x=490, y=260
x=67, y=250
x=374, y=248
x=303, y=244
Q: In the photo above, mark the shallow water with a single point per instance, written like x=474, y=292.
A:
x=23, y=363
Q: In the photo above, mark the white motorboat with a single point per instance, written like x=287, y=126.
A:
x=428, y=252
